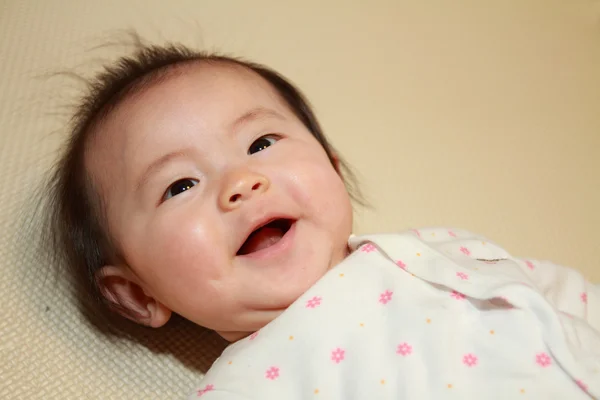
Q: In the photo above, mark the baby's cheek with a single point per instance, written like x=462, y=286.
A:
x=188, y=278
x=186, y=251
x=329, y=194
x=311, y=180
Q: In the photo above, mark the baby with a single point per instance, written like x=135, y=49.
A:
x=203, y=185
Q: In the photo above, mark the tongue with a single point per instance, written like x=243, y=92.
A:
x=261, y=239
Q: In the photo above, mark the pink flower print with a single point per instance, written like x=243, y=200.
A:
x=451, y=233
x=207, y=388
x=462, y=276
x=465, y=251
x=337, y=355
x=457, y=295
x=314, y=302
x=367, y=248
x=530, y=265
x=253, y=336
x=470, y=360
x=543, y=360
x=417, y=232
x=582, y=385
x=385, y=297
x=584, y=297
x=401, y=264
x=272, y=373
x=404, y=349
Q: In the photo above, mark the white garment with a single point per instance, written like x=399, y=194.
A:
x=421, y=315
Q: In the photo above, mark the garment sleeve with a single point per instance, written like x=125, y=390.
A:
x=567, y=289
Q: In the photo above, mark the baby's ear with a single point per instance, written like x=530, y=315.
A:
x=127, y=297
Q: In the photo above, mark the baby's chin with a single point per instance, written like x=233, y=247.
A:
x=233, y=337
x=262, y=314
x=259, y=322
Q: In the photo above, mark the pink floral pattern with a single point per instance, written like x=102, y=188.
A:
x=530, y=265
x=470, y=360
x=404, y=349
x=207, y=388
x=314, y=302
x=367, y=248
x=385, y=297
x=582, y=385
x=543, y=360
x=272, y=373
x=457, y=295
x=417, y=232
x=338, y=355
x=463, y=276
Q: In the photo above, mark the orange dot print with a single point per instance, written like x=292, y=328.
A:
x=418, y=254
x=341, y=275
x=492, y=332
x=428, y=320
x=383, y=381
x=291, y=337
x=316, y=391
x=449, y=386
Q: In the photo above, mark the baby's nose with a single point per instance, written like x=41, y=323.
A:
x=241, y=187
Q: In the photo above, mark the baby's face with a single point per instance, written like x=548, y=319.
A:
x=190, y=168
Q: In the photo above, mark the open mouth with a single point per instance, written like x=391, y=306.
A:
x=265, y=236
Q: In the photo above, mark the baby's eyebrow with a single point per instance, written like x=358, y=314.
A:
x=155, y=166
x=253, y=115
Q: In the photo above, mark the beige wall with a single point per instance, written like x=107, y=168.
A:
x=482, y=115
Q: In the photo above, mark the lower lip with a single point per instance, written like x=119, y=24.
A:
x=277, y=249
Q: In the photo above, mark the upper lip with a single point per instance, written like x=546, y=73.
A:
x=259, y=223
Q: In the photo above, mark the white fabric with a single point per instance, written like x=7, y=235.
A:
x=429, y=314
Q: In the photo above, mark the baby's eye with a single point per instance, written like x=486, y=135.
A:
x=179, y=187
x=262, y=143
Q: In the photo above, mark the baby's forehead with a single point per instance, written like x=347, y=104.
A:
x=200, y=94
